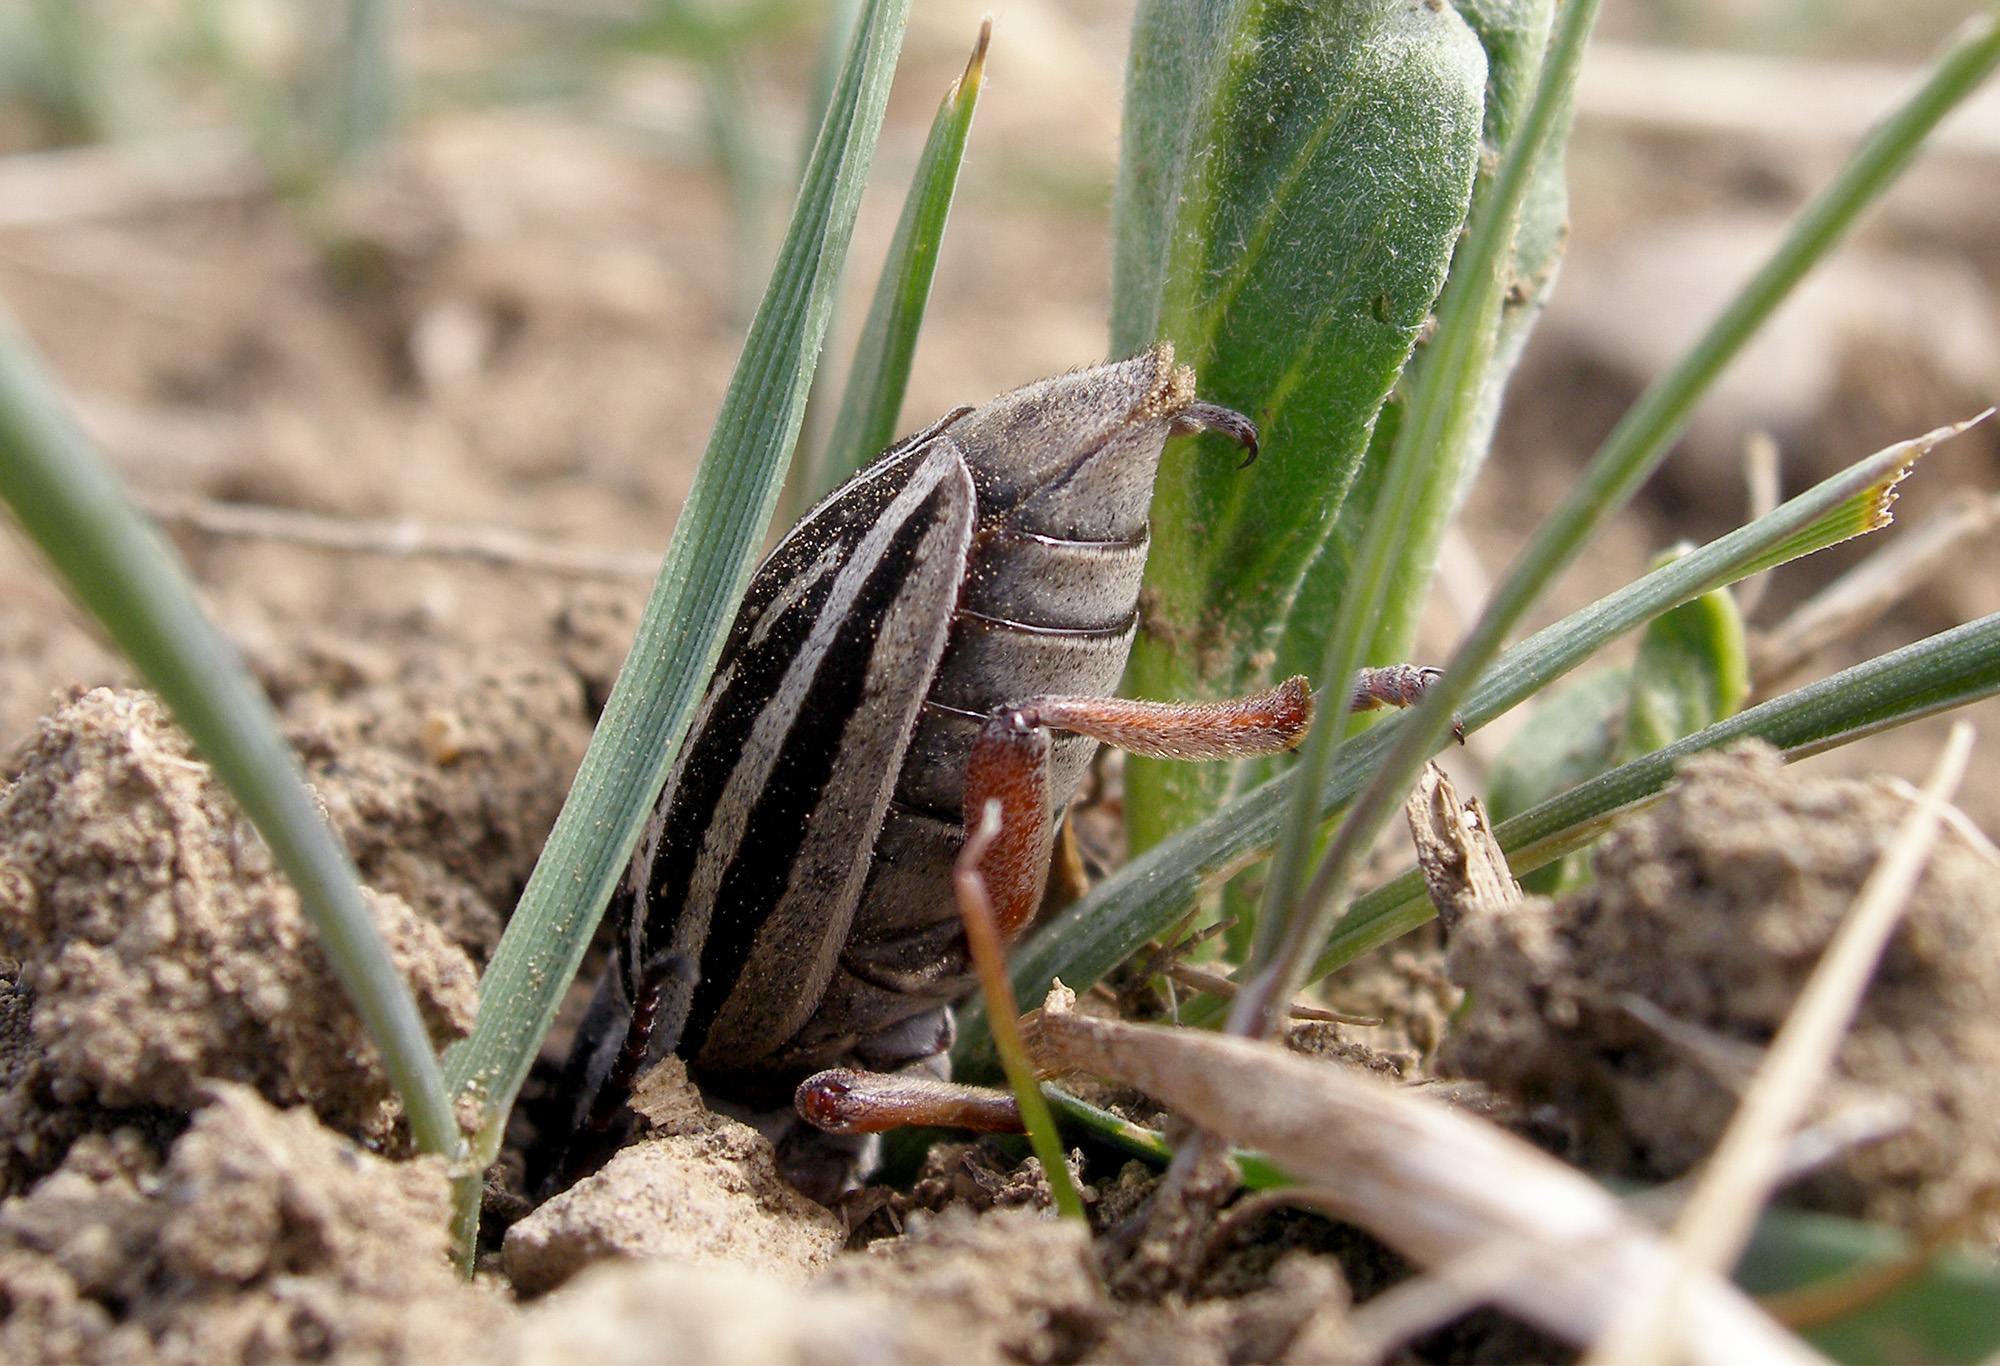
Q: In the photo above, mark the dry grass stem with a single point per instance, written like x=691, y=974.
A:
x=1855, y=1125
x=1719, y=1216
x=1464, y=869
x=1425, y=1303
x=1214, y=983
x=1730, y=1062
x=403, y=537
x=1434, y=1183
x=1960, y=823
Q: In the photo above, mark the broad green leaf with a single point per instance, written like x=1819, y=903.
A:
x=1294, y=177
x=874, y=397
x=1572, y=737
x=1947, y=1311
x=1514, y=34
x=1144, y=898
x=707, y=567
x=1693, y=670
x=70, y=502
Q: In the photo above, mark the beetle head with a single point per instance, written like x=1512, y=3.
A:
x=1075, y=456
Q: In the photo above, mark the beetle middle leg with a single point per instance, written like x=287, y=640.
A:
x=1008, y=768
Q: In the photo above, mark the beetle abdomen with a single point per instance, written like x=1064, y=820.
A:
x=1048, y=606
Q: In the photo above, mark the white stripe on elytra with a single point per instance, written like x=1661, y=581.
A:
x=767, y=735
x=792, y=593
x=639, y=874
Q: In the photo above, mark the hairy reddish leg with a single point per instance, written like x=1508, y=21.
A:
x=1010, y=863
x=1009, y=764
x=842, y=1100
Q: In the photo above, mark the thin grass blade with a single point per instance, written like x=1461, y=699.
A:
x=72, y=505
x=707, y=567
x=866, y=423
x=370, y=92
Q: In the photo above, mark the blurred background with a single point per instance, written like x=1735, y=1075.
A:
x=338, y=285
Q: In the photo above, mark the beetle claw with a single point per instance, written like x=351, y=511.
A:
x=1213, y=417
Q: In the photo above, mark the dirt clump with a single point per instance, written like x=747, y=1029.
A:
x=701, y=1189
x=717, y=1314
x=263, y=1237
x=1011, y=1284
x=442, y=769
x=1713, y=908
x=1014, y=1285
x=159, y=947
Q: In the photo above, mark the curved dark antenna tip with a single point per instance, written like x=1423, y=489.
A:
x=1213, y=417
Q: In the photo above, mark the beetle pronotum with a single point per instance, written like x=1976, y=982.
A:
x=946, y=627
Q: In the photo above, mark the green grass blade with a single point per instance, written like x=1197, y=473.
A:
x=1311, y=163
x=370, y=92
x=1627, y=457
x=1934, y=675
x=1149, y=894
x=1148, y=1145
x=866, y=423
x=707, y=566
x=71, y=504
x=1292, y=926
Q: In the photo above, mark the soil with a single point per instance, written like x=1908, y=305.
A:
x=1712, y=909
x=518, y=319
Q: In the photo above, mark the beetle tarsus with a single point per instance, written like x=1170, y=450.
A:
x=1400, y=685
x=1213, y=417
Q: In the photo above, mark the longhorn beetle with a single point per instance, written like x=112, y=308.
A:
x=945, y=628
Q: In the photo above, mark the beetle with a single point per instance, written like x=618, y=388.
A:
x=952, y=619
